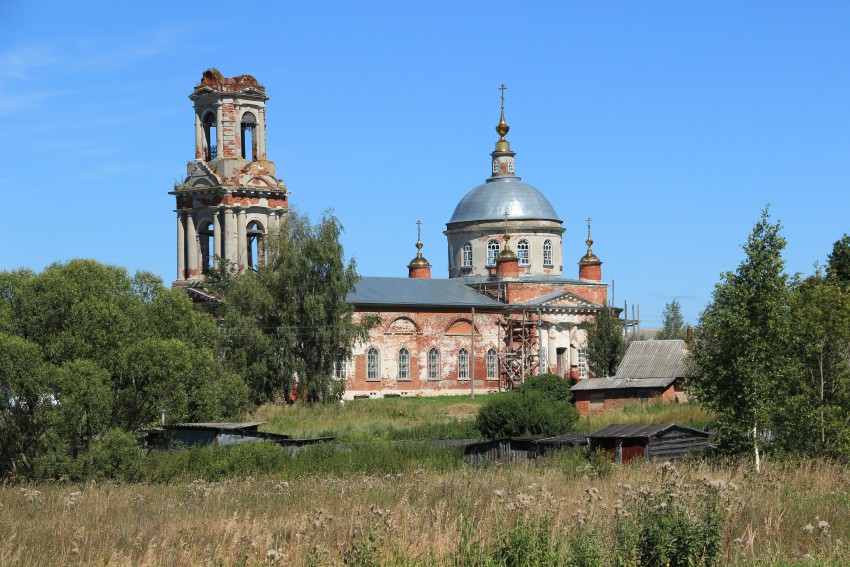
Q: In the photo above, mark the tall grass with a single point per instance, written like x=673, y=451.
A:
x=793, y=513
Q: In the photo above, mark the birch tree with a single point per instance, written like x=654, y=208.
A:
x=741, y=356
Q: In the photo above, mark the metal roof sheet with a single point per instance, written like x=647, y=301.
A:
x=490, y=200
x=227, y=426
x=626, y=383
x=653, y=359
x=420, y=292
x=644, y=430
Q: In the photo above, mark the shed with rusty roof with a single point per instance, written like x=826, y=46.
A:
x=652, y=442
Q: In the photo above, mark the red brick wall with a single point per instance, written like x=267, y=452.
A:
x=618, y=399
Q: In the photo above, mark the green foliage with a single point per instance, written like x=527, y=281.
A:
x=528, y=413
x=605, y=343
x=838, y=266
x=86, y=348
x=668, y=530
x=816, y=414
x=553, y=386
x=288, y=324
x=674, y=323
x=742, y=354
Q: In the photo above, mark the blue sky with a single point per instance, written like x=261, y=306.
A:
x=670, y=124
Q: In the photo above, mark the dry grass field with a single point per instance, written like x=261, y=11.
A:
x=793, y=512
x=331, y=507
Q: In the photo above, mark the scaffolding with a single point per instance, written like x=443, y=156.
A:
x=518, y=357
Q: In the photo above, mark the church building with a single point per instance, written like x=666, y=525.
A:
x=506, y=311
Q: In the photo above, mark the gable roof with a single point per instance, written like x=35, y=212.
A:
x=653, y=359
x=560, y=298
x=645, y=431
x=372, y=290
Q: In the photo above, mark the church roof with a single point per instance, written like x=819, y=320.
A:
x=490, y=200
x=417, y=292
x=527, y=278
x=557, y=298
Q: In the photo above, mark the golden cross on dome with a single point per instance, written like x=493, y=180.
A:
x=588, y=226
x=503, y=88
x=418, y=230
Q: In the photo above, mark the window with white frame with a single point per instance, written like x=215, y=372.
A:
x=372, y=366
x=433, y=364
x=463, y=364
x=493, y=249
x=522, y=252
x=339, y=369
x=403, y=364
x=466, y=255
x=582, y=363
x=547, y=253
x=492, y=364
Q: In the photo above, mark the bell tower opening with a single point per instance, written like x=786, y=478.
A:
x=210, y=139
x=249, y=138
x=256, y=251
x=207, y=241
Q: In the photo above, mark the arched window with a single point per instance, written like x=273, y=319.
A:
x=433, y=364
x=210, y=138
x=256, y=252
x=249, y=138
x=547, y=253
x=466, y=255
x=522, y=252
x=403, y=364
x=372, y=366
x=492, y=364
x=463, y=364
x=493, y=249
x=206, y=236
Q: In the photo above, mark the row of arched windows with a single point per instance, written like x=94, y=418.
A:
x=373, y=364
x=494, y=247
x=248, y=124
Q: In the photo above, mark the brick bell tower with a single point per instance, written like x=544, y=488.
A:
x=230, y=199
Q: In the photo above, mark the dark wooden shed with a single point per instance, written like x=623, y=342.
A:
x=219, y=434
x=519, y=449
x=651, y=442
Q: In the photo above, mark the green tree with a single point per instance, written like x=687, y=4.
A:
x=527, y=412
x=606, y=344
x=741, y=355
x=816, y=418
x=838, y=266
x=288, y=324
x=674, y=323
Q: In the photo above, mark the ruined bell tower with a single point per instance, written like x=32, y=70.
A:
x=230, y=198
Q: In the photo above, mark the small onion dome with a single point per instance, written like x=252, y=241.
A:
x=507, y=255
x=590, y=257
x=419, y=266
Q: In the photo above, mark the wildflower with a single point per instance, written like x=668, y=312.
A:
x=273, y=556
x=823, y=526
x=499, y=493
x=32, y=495
x=717, y=484
x=808, y=528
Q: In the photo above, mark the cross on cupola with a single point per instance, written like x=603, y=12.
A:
x=503, y=157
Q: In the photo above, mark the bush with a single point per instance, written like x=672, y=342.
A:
x=552, y=385
x=528, y=413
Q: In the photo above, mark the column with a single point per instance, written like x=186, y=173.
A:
x=219, y=130
x=229, y=238
x=192, y=246
x=199, y=137
x=181, y=246
x=241, y=223
x=216, y=237
x=261, y=134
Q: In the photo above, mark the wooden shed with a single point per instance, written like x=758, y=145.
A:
x=651, y=442
x=519, y=449
x=650, y=371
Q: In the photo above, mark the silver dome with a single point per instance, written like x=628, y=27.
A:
x=491, y=199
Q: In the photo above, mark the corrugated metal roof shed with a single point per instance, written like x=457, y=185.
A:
x=653, y=359
x=221, y=426
x=419, y=292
